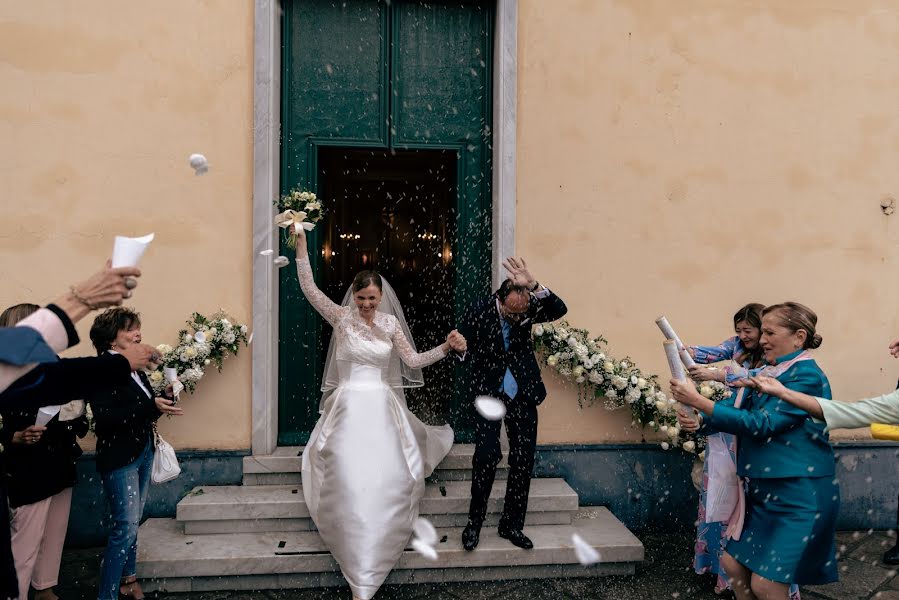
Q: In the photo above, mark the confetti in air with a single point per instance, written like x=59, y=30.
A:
x=199, y=164
x=490, y=408
x=425, y=531
x=281, y=261
x=425, y=550
x=586, y=554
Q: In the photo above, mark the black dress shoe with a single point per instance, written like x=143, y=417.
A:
x=517, y=537
x=471, y=536
x=891, y=557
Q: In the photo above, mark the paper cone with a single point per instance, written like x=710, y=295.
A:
x=45, y=414
x=127, y=252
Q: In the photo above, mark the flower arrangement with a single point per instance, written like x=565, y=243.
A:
x=298, y=208
x=206, y=341
x=583, y=359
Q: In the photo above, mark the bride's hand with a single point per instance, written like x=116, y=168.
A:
x=457, y=341
x=300, y=234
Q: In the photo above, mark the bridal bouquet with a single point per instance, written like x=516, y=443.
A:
x=300, y=209
x=206, y=341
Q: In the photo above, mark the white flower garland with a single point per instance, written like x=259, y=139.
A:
x=583, y=359
x=207, y=341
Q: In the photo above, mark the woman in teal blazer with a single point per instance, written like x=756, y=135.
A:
x=792, y=498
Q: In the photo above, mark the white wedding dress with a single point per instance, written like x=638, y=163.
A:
x=365, y=465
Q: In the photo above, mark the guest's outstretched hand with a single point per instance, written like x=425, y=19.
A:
x=167, y=407
x=685, y=393
x=688, y=421
x=698, y=373
x=141, y=356
x=894, y=348
x=767, y=385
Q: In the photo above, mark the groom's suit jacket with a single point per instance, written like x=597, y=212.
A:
x=487, y=357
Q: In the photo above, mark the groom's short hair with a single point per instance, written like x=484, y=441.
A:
x=508, y=288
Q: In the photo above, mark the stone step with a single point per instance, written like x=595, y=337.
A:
x=282, y=467
x=171, y=561
x=221, y=509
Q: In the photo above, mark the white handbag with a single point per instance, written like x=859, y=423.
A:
x=165, y=463
x=724, y=486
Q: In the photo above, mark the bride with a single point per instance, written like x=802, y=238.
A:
x=365, y=465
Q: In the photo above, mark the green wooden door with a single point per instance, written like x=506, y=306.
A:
x=389, y=75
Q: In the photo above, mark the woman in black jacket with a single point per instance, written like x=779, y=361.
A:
x=124, y=418
x=39, y=473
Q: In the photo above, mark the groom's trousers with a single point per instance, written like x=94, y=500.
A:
x=521, y=426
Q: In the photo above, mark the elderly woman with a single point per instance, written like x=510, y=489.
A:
x=842, y=415
x=124, y=421
x=792, y=499
x=39, y=472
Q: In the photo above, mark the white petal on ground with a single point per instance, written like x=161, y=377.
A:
x=281, y=261
x=268, y=252
x=586, y=554
x=490, y=408
x=424, y=549
x=425, y=531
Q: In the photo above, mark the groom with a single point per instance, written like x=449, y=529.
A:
x=500, y=358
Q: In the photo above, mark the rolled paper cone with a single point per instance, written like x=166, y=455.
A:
x=674, y=362
x=127, y=252
x=687, y=359
x=668, y=331
x=45, y=414
x=171, y=374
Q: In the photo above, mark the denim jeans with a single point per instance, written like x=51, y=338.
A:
x=126, y=488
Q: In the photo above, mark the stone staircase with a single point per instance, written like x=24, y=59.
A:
x=259, y=535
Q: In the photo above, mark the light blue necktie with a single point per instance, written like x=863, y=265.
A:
x=510, y=386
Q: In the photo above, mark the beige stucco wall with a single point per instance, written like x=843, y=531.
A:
x=688, y=157
x=673, y=157
x=102, y=104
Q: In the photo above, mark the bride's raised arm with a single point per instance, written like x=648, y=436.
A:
x=414, y=359
x=317, y=298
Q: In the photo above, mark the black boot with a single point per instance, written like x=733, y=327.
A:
x=471, y=536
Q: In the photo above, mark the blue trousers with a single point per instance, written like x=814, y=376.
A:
x=126, y=489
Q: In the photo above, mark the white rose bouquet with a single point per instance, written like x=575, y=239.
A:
x=298, y=208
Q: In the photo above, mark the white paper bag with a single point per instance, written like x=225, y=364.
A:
x=724, y=485
x=45, y=414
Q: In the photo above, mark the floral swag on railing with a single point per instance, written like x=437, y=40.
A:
x=577, y=357
x=207, y=341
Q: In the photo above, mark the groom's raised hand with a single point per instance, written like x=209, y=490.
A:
x=519, y=273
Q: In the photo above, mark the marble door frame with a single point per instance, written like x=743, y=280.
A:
x=266, y=168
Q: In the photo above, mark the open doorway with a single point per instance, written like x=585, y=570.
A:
x=394, y=211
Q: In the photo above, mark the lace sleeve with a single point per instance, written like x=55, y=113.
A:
x=317, y=298
x=414, y=359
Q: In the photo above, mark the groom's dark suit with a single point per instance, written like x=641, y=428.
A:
x=491, y=351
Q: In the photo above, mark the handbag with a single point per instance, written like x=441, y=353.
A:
x=165, y=463
x=722, y=495
x=879, y=431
